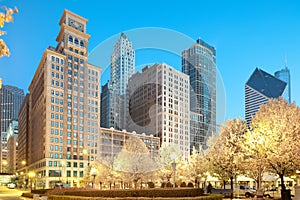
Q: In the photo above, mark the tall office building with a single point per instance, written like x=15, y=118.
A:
x=12, y=146
x=122, y=68
x=285, y=76
x=11, y=99
x=64, y=108
x=159, y=100
x=23, y=136
x=260, y=87
x=107, y=118
x=199, y=62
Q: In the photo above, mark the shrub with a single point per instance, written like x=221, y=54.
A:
x=179, y=192
x=163, y=185
x=27, y=194
x=150, y=184
x=41, y=191
x=190, y=184
x=183, y=184
x=169, y=185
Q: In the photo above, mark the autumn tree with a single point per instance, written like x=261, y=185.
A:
x=274, y=137
x=198, y=165
x=5, y=17
x=168, y=153
x=134, y=160
x=225, y=156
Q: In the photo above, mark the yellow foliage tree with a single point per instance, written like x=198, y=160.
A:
x=226, y=155
x=274, y=136
x=5, y=17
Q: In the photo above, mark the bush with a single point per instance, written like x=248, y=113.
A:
x=150, y=184
x=41, y=191
x=183, y=184
x=190, y=184
x=27, y=194
x=163, y=185
x=210, y=197
x=169, y=185
x=155, y=192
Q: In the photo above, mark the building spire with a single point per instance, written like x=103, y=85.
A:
x=285, y=62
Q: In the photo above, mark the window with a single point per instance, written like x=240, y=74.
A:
x=70, y=38
x=76, y=41
x=81, y=43
x=74, y=173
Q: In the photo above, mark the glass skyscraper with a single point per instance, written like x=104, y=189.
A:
x=199, y=62
x=122, y=68
x=285, y=76
x=11, y=99
x=260, y=87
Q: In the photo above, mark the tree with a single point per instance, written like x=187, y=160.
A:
x=225, y=156
x=134, y=160
x=168, y=153
x=5, y=17
x=198, y=165
x=274, y=137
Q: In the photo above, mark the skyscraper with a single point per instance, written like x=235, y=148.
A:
x=260, y=87
x=64, y=108
x=11, y=99
x=285, y=76
x=199, y=62
x=159, y=100
x=122, y=68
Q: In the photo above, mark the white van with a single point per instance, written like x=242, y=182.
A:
x=243, y=190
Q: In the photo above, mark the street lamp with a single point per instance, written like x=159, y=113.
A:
x=85, y=152
x=93, y=173
x=62, y=164
x=31, y=175
x=173, y=157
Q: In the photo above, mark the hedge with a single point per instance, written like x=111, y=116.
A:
x=165, y=192
x=209, y=197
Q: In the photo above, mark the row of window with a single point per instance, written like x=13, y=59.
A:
x=76, y=41
x=57, y=60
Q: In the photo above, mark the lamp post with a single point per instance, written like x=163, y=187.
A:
x=93, y=173
x=24, y=164
x=62, y=163
x=31, y=175
x=85, y=152
x=173, y=157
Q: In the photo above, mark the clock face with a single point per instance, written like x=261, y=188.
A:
x=76, y=25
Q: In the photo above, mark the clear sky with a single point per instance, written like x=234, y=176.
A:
x=247, y=34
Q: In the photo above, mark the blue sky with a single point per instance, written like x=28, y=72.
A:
x=247, y=34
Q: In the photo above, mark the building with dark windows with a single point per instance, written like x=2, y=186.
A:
x=159, y=100
x=63, y=109
x=107, y=118
x=199, y=62
x=285, y=76
x=11, y=99
x=260, y=87
x=122, y=68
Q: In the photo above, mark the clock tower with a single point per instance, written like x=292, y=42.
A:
x=72, y=37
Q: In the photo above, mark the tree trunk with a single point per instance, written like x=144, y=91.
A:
x=282, y=182
x=231, y=186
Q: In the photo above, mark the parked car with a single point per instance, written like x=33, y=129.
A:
x=11, y=185
x=243, y=190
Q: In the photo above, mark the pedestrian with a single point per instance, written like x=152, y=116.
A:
x=209, y=188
